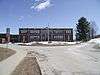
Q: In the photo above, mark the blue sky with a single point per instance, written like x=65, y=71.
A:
x=39, y=13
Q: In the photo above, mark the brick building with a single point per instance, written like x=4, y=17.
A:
x=2, y=38
x=45, y=34
x=12, y=38
x=7, y=37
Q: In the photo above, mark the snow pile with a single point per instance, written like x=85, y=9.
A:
x=30, y=43
x=96, y=43
x=53, y=43
x=97, y=40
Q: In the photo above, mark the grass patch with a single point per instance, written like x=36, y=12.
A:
x=5, y=53
x=28, y=66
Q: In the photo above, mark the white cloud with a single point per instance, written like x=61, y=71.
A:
x=42, y=6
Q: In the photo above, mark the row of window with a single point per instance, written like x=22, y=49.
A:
x=60, y=37
x=55, y=37
x=23, y=31
x=53, y=31
x=31, y=37
x=34, y=31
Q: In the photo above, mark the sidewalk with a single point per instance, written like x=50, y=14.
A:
x=8, y=65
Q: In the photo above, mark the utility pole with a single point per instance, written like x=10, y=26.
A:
x=48, y=32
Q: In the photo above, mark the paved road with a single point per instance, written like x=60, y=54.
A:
x=64, y=60
x=58, y=60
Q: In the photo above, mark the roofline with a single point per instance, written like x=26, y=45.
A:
x=45, y=28
x=2, y=33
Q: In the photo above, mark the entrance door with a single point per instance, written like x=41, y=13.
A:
x=24, y=39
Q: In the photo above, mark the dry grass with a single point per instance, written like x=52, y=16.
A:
x=5, y=53
x=28, y=66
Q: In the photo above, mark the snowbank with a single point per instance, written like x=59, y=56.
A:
x=53, y=43
x=96, y=43
x=97, y=40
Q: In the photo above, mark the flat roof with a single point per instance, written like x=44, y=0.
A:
x=47, y=28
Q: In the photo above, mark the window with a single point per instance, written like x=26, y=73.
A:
x=23, y=31
x=58, y=31
x=68, y=31
x=58, y=37
x=31, y=31
x=34, y=31
x=34, y=37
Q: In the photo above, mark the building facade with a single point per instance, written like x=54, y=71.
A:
x=12, y=38
x=7, y=37
x=45, y=34
x=3, y=38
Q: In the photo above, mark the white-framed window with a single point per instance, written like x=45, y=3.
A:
x=32, y=37
x=58, y=31
x=34, y=31
x=23, y=31
x=58, y=37
x=68, y=31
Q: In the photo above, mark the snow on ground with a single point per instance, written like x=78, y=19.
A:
x=66, y=61
x=80, y=59
x=48, y=43
x=95, y=40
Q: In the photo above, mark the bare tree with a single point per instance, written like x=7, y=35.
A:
x=93, y=29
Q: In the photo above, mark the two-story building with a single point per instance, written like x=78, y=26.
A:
x=45, y=34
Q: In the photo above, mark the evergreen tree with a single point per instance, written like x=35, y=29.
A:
x=83, y=30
